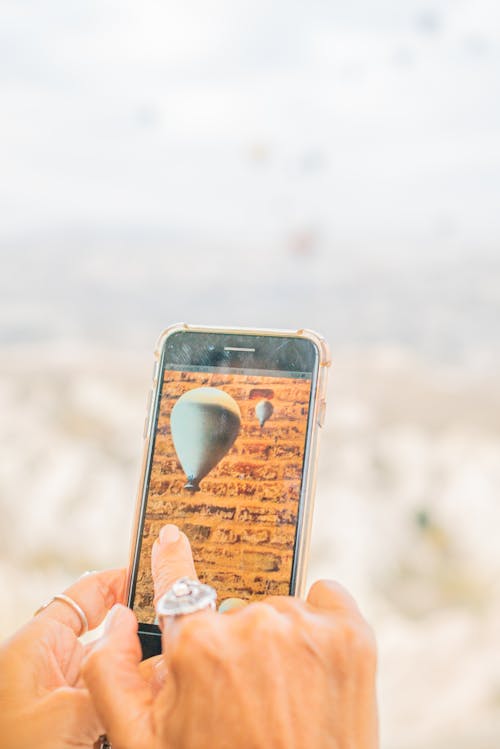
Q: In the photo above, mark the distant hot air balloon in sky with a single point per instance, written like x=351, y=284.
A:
x=204, y=423
x=263, y=411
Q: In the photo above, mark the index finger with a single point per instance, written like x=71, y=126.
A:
x=171, y=559
x=95, y=593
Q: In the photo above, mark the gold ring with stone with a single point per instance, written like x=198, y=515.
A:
x=185, y=597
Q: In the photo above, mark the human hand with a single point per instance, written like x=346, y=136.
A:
x=42, y=701
x=281, y=673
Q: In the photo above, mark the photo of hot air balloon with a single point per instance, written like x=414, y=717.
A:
x=263, y=411
x=204, y=424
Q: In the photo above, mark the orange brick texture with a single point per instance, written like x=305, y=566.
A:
x=242, y=523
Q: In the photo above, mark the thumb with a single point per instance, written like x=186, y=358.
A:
x=122, y=698
x=171, y=559
x=331, y=596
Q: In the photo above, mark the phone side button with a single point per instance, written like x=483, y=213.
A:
x=155, y=373
x=322, y=413
x=148, y=414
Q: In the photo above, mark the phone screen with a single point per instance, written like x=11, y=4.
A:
x=229, y=440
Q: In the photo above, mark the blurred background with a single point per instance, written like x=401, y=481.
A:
x=280, y=164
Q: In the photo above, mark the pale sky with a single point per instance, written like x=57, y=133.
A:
x=361, y=122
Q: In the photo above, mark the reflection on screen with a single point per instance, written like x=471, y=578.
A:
x=227, y=469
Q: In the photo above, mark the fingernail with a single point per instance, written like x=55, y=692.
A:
x=230, y=604
x=115, y=615
x=169, y=534
x=88, y=572
x=161, y=670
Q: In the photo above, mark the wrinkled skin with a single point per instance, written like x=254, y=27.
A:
x=279, y=674
x=43, y=700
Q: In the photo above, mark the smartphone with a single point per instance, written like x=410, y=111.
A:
x=230, y=447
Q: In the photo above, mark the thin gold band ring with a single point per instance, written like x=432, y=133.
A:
x=73, y=604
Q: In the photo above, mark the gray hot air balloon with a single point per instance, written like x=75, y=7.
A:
x=263, y=411
x=204, y=424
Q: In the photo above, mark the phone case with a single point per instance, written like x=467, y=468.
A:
x=310, y=457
